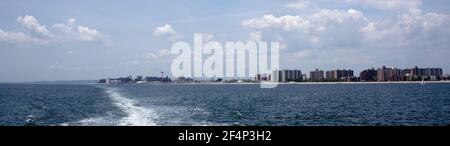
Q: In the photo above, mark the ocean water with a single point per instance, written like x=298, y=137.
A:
x=224, y=104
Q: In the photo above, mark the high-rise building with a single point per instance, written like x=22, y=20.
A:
x=338, y=74
x=286, y=75
x=316, y=75
x=383, y=74
x=368, y=75
x=294, y=75
x=275, y=76
x=416, y=73
x=390, y=74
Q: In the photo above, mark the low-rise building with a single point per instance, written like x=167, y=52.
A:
x=262, y=77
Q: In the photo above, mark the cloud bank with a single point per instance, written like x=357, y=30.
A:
x=349, y=38
x=37, y=33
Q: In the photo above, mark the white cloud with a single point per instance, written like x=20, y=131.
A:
x=33, y=24
x=16, y=37
x=327, y=17
x=409, y=28
x=166, y=31
x=300, y=5
x=337, y=37
x=396, y=5
x=323, y=28
x=60, y=33
x=314, y=22
x=287, y=22
x=71, y=30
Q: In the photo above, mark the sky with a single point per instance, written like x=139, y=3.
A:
x=50, y=40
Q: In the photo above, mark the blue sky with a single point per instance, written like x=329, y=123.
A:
x=73, y=40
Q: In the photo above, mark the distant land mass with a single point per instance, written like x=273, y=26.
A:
x=58, y=82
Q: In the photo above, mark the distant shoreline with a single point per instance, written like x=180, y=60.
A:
x=296, y=83
x=242, y=83
x=395, y=82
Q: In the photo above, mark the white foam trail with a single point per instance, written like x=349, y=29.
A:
x=143, y=116
x=136, y=116
x=108, y=120
x=98, y=121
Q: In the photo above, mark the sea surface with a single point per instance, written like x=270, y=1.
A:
x=224, y=104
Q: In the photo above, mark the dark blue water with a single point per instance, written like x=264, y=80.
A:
x=225, y=104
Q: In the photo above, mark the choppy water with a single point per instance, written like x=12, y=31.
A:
x=225, y=104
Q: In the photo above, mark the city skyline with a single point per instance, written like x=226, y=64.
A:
x=85, y=40
x=381, y=74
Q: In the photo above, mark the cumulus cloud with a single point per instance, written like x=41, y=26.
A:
x=72, y=30
x=16, y=37
x=395, y=5
x=410, y=28
x=166, y=31
x=59, y=33
x=328, y=28
x=333, y=37
x=301, y=5
x=287, y=22
x=316, y=21
x=314, y=26
x=326, y=16
x=33, y=24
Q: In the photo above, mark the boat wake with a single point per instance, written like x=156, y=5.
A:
x=131, y=112
x=134, y=115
